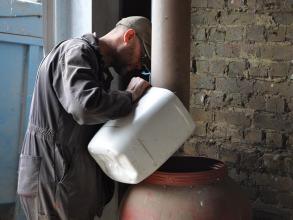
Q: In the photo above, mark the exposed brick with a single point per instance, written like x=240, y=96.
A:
x=192, y=66
x=235, y=135
x=250, y=50
x=216, y=34
x=286, y=200
x=279, y=69
x=230, y=85
x=200, y=129
x=201, y=115
x=251, y=192
x=218, y=4
x=199, y=3
x=289, y=33
x=265, y=19
x=202, y=66
x=217, y=131
x=255, y=33
x=229, y=155
x=274, y=122
x=290, y=74
x=234, y=34
x=268, y=196
x=263, y=5
x=249, y=158
x=282, y=184
x=256, y=102
x=204, y=81
x=279, y=183
x=198, y=98
x=238, y=176
x=285, y=89
x=235, y=99
x=189, y=148
x=275, y=104
x=290, y=141
x=228, y=50
x=237, y=68
x=285, y=140
x=288, y=4
x=266, y=87
x=261, y=179
x=203, y=50
x=237, y=18
x=283, y=18
x=251, y=4
x=253, y=136
x=199, y=34
x=208, y=150
x=216, y=100
x=192, y=82
x=242, y=91
x=259, y=71
x=272, y=162
x=202, y=17
x=289, y=105
x=276, y=34
x=237, y=4
x=238, y=119
x=218, y=66
x=274, y=139
x=288, y=164
x=277, y=52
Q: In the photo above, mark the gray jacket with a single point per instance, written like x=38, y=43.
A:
x=70, y=102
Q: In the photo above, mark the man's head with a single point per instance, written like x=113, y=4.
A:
x=132, y=45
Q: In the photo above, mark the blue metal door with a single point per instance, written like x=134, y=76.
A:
x=20, y=54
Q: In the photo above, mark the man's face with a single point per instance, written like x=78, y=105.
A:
x=128, y=60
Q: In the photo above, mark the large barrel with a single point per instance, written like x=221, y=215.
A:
x=187, y=188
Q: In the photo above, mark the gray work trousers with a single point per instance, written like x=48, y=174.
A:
x=29, y=206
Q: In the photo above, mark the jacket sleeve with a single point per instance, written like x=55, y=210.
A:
x=80, y=92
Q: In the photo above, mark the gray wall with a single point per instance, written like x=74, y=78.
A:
x=65, y=19
x=242, y=96
x=105, y=14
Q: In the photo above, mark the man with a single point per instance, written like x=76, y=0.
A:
x=57, y=177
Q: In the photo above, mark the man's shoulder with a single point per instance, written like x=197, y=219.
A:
x=74, y=44
x=74, y=48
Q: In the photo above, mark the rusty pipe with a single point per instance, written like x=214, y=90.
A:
x=171, y=46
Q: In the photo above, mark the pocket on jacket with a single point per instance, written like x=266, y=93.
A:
x=28, y=175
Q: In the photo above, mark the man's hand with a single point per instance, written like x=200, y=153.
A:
x=137, y=87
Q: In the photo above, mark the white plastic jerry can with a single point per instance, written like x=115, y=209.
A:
x=131, y=148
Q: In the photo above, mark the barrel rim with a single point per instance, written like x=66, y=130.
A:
x=214, y=174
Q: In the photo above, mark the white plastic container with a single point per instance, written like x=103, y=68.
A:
x=130, y=149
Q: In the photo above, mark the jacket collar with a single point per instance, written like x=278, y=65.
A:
x=93, y=41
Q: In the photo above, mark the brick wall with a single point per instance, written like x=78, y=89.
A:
x=242, y=96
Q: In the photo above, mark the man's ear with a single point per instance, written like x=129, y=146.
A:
x=128, y=35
